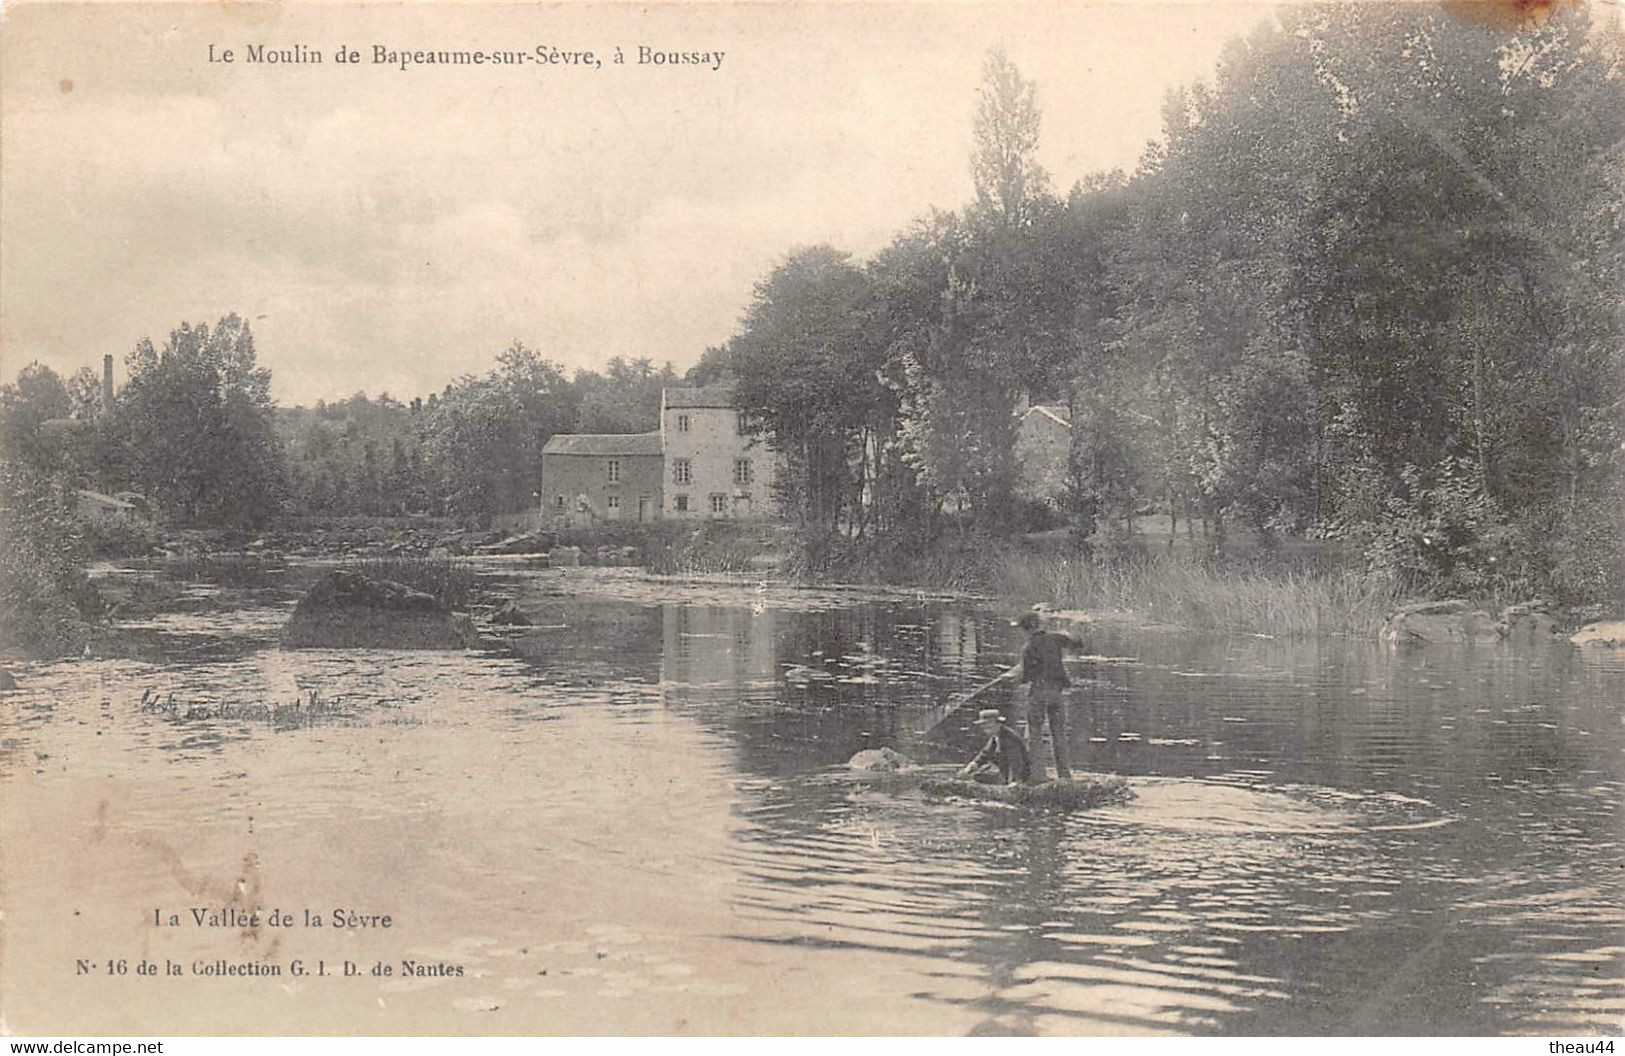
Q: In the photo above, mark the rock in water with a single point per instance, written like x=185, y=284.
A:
x=1607, y=633
x=1079, y=793
x=1527, y=622
x=7, y=679
x=1434, y=622
x=347, y=610
x=880, y=760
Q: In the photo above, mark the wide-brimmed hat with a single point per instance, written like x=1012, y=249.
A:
x=989, y=715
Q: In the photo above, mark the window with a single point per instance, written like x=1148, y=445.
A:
x=742, y=471
x=558, y=502
x=719, y=504
x=744, y=423
x=614, y=468
x=612, y=501
x=682, y=503
x=681, y=472
x=682, y=423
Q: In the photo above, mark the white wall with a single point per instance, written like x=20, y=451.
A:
x=711, y=444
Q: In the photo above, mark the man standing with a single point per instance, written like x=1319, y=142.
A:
x=1044, y=673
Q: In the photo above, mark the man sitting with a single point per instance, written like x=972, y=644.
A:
x=1005, y=753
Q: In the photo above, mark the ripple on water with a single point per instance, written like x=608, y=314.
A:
x=1259, y=881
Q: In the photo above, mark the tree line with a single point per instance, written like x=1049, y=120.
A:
x=1366, y=287
x=195, y=431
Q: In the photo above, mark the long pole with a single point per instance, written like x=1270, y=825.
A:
x=966, y=699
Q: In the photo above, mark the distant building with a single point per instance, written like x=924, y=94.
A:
x=592, y=477
x=94, y=506
x=715, y=468
x=1043, y=448
x=702, y=463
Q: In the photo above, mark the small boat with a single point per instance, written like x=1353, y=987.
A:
x=1076, y=793
x=895, y=772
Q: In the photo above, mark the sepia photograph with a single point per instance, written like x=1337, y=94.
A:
x=914, y=519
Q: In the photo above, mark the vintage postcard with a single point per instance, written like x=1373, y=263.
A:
x=1093, y=519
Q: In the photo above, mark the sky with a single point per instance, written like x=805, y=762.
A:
x=388, y=231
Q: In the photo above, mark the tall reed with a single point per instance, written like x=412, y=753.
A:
x=451, y=582
x=1183, y=590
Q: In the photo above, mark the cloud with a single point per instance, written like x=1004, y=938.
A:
x=394, y=230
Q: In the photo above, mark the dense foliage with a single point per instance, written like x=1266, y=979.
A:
x=472, y=450
x=1366, y=287
x=46, y=601
x=193, y=429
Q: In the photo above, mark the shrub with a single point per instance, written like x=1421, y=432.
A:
x=1441, y=532
x=120, y=537
x=46, y=600
x=713, y=546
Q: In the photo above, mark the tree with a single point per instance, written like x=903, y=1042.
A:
x=484, y=435
x=806, y=365
x=1004, y=167
x=85, y=394
x=36, y=397
x=195, y=419
x=624, y=399
x=45, y=597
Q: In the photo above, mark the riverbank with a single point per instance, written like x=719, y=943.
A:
x=1288, y=588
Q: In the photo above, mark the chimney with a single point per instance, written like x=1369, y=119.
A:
x=107, y=384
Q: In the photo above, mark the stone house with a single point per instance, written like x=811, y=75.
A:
x=593, y=477
x=715, y=468
x=1043, y=446
x=701, y=464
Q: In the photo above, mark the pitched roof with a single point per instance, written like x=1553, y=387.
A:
x=603, y=444
x=721, y=395
x=1060, y=412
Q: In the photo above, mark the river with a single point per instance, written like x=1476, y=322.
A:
x=633, y=818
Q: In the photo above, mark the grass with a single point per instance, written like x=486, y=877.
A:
x=451, y=582
x=710, y=547
x=1186, y=591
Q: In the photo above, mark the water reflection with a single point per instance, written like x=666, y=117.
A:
x=1315, y=854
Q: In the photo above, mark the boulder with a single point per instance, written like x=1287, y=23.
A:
x=880, y=760
x=1527, y=622
x=347, y=610
x=1436, y=622
x=7, y=679
x=1604, y=634
x=564, y=557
